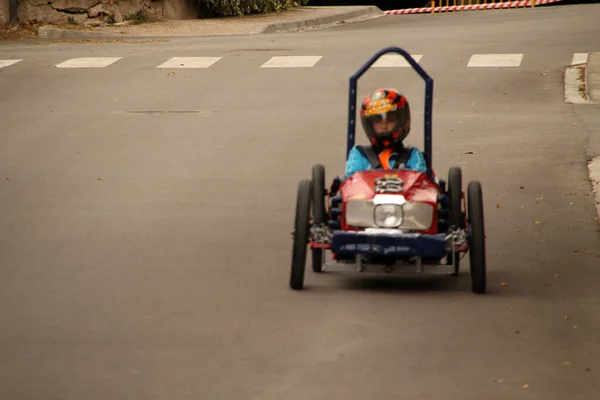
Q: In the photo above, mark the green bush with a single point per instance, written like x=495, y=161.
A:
x=227, y=8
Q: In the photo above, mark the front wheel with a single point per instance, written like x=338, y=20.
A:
x=456, y=213
x=477, y=253
x=300, y=234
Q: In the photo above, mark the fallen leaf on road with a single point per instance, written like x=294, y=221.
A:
x=556, y=275
x=537, y=223
x=525, y=386
x=497, y=205
x=171, y=73
x=574, y=326
x=503, y=284
x=567, y=363
x=500, y=380
x=545, y=73
x=567, y=317
x=468, y=152
x=540, y=198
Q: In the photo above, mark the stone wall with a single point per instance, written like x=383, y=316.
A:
x=181, y=9
x=4, y=12
x=94, y=12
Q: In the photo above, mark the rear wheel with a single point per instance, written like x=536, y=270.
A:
x=477, y=253
x=319, y=211
x=456, y=214
x=300, y=234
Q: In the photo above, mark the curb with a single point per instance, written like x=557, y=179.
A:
x=592, y=91
x=347, y=14
x=582, y=79
x=594, y=177
x=50, y=32
x=489, y=6
x=592, y=77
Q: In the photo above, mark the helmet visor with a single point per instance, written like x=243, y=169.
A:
x=384, y=124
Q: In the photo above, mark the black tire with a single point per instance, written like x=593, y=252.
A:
x=300, y=234
x=456, y=217
x=477, y=252
x=319, y=211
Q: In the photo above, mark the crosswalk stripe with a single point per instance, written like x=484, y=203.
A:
x=385, y=61
x=88, y=62
x=495, y=60
x=189, y=62
x=8, y=63
x=579, y=58
x=394, y=60
x=291, y=62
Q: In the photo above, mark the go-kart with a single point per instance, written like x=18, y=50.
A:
x=390, y=220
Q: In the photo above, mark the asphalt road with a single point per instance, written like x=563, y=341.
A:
x=146, y=255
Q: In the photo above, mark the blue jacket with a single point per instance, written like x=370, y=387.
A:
x=357, y=162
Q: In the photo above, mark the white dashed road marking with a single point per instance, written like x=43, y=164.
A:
x=189, y=62
x=495, y=60
x=385, y=61
x=394, y=60
x=291, y=62
x=8, y=63
x=90, y=62
x=579, y=58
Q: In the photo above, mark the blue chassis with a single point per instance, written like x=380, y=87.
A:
x=425, y=246
x=411, y=245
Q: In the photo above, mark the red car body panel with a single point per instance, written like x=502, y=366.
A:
x=417, y=187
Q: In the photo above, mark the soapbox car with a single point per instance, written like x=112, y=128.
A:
x=390, y=221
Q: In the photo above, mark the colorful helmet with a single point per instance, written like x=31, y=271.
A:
x=382, y=105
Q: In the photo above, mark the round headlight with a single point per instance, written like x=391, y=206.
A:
x=388, y=215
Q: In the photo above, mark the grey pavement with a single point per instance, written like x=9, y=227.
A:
x=146, y=255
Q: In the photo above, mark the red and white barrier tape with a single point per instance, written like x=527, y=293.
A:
x=489, y=6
